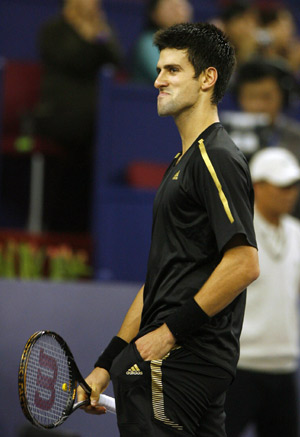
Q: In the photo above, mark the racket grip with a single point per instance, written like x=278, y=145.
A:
x=108, y=402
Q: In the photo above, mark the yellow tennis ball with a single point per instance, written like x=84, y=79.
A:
x=65, y=386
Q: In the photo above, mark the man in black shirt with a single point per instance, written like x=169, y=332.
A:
x=176, y=352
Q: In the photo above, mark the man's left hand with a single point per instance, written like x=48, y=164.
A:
x=156, y=344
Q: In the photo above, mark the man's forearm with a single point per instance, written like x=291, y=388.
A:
x=131, y=324
x=128, y=331
x=237, y=269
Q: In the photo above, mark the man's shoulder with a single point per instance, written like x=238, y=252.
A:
x=219, y=146
x=220, y=139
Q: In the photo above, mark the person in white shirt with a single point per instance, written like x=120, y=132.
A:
x=265, y=390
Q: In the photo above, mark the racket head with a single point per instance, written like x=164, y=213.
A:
x=47, y=380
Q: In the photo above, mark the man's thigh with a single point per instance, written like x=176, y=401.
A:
x=213, y=421
x=243, y=402
x=167, y=397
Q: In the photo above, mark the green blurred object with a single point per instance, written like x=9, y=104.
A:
x=65, y=264
x=24, y=143
x=30, y=261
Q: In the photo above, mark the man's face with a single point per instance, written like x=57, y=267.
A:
x=178, y=89
x=262, y=96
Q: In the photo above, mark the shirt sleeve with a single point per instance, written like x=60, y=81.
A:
x=225, y=189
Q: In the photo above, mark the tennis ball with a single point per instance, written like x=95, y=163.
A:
x=65, y=387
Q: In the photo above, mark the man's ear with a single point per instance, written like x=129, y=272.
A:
x=209, y=78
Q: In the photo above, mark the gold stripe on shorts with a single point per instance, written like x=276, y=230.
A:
x=158, y=395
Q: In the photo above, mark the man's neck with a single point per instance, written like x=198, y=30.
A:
x=191, y=123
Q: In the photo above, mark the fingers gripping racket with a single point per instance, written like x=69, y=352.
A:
x=48, y=378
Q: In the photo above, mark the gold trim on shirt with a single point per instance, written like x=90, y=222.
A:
x=215, y=178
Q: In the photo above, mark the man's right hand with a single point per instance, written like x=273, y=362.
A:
x=98, y=380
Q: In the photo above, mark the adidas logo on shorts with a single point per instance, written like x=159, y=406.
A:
x=134, y=370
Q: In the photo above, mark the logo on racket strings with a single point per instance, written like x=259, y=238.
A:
x=45, y=394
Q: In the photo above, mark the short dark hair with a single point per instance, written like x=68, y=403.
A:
x=206, y=45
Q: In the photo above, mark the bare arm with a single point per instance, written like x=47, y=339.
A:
x=237, y=269
x=99, y=378
x=132, y=320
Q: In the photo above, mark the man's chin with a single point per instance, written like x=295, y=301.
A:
x=163, y=112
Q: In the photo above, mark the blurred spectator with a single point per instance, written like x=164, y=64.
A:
x=265, y=390
x=160, y=14
x=73, y=47
x=278, y=32
x=263, y=87
x=239, y=20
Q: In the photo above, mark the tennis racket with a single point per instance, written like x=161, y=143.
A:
x=48, y=378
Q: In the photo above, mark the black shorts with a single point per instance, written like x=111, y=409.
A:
x=180, y=394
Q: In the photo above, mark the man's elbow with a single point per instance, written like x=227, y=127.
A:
x=253, y=274
x=252, y=270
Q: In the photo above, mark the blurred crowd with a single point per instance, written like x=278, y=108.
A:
x=77, y=43
x=75, y=46
x=264, y=30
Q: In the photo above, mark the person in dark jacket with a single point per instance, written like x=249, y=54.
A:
x=73, y=47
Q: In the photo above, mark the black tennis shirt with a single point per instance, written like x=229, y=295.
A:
x=203, y=201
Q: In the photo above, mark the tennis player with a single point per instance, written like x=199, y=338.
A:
x=177, y=350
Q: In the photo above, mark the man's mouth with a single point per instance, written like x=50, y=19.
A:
x=163, y=94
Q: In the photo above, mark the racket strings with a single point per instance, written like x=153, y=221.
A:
x=48, y=381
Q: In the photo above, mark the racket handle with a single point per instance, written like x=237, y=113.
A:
x=108, y=402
